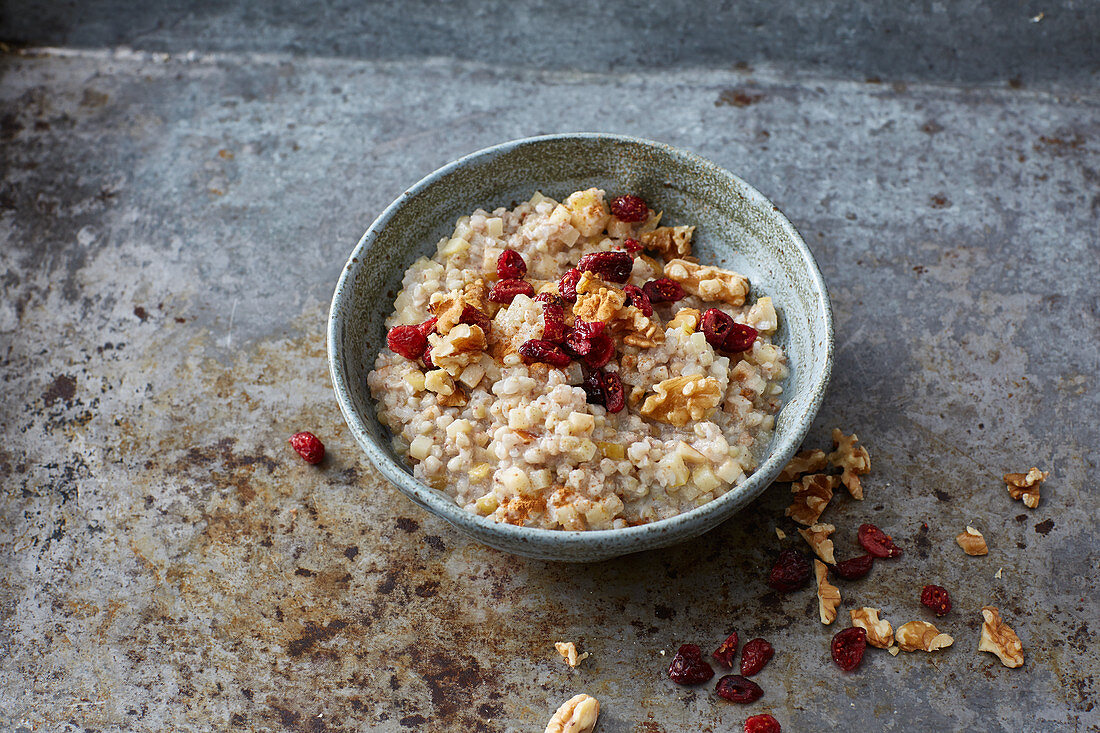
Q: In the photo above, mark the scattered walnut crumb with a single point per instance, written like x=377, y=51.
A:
x=879, y=631
x=853, y=459
x=1026, y=485
x=817, y=535
x=972, y=542
x=921, y=635
x=811, y=496
x=568, y=651
x=893, y=651
x=686, y=319
x=806, y=461
x=828, y=595
x=998, y=638
x=576, y=715
x=780, y=533
x=998, y=573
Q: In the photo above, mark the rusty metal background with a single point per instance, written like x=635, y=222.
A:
x=171, y=226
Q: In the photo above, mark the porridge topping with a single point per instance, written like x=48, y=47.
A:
x=997, y=638
x=1025, y=486
x=707, y=282
x=828, y=595
x=817, y=535
x=922, y=636
x=880, y=633
x=762, y=723
x=680, y=400
x=973, y=542
x=811, y=495
x=308, y=446
x=806, y=461
x=853, y=459
x=576, y=715
x=669, y=242
x=629, y=208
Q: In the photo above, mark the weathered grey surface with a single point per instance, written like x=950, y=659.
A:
x=170, y=232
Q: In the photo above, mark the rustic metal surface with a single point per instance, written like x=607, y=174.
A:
x=170, y=231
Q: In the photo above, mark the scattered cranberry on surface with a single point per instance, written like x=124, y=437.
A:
x=716, y=326
x=636, y=297
x=474, y=317
x=567, y=286
x=426, y=357
x=726, y=651
x=539, y=350
x=553, y=316
x=741, y=338
x=427, y=326
x=755, y=655
x=762, y=724
x=588, y=341
x=604, y=388
x=791, y=571
x=877, y=542
x=308, y=446
x=629, y=208
x=688, y=666
x=855, y=568
x=603, y=348
x=505, y=291
x=633, y=246
x=848, y=647
x=510, y=265
x=407, y=341
x=735, y=688
x=663, y=290
x=936, y=598
x=613, y=266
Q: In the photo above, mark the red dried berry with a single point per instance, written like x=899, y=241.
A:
x=716, y=326
x=791, y=571
x=593, y=388
x=735, y=688
x=588, y=329
x=633, y=246
x=309, y=447
x=407, y=341
x=510, y=265
x=755, y=655
x=726, y=651
x=427, y=358
x=740, y=338
x=474, y=317
x=579, y=340
x=539, y=350
x=688, y=666
x=553, y=317
x=663, y=290
x=602, y=348
x=636, y=297
x=567, y=286
x=855, y=568
x=550, y=298
x=848, y=647
x=762, y=724
x=629, y=208
x=877, y=542
x=614, y=266
x=505, y=291
x=936, y=598
x=427, y=326
x=614, y=396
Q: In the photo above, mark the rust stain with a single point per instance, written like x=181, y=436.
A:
x=63, y=388
x=1044, y=527
x=737, y=98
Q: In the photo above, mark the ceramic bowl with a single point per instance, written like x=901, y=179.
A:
x=737, y=228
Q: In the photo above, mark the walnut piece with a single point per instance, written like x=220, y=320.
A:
x=596, y=300
x=709, y=283
x=576, y=715
x=998, y=638
x=817, y=535
x=811, y=496
x=828, y=595
x=852, y=458
x=879, y=631
x=972, y=542
x=440, y=382
x=680, y=400
x=669, y=242
x=640, y=330
x=476, y=293
x=457, y=398
x=1026, y=485
x=568, y=651
x=447, y=308
x=806, y=461
x=921, y=635
x=686, y=319
x=461, y=347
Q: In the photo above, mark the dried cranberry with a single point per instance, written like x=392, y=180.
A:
x=636, y=297
x=549, y=297
x=848, y=647
x=935, y=597
x=688, y=666
x=407, y=341
x=629, y=208
x=612, y=266
x=427, y=326
x=855, y=568
x=614, y=397
x=510, y=265
x=579, y=340
x=663, y=290
x=504, y=291
x=755, y=655
x=567, y=286
x=633, y=246
x=553, y=316
x=593, y=388
x=726, y=651
x=309, y=447
x=740, y=338
x=539, y=350
x=735, y=688
x=602, y=348
x=763, y=723
x=791, y=571
x=426, y=357
x=877, y=542
x=588, y=329
x=716, y=326
x=475, y=317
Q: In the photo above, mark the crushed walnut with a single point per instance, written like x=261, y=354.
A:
x=639, y=329
x=669, y=242
x=708, y=282
x=447, y=309
x=811, y=496
x=440, y=382
x=597, y=300
x=460, y=348
x=828, y=595
x=568, y=651
x=972, y=542
x=997, y=638
x=817, y=535
x=686, y=319
x=852, y=459
x=1026, y=486
x=576, y=715
x=922, y=636
x=680, y=400
x=879, y=631
x=806, y=461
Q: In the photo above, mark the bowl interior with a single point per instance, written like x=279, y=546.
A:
x=737, y=228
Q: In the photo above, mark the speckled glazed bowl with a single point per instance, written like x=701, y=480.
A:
x=737, y=228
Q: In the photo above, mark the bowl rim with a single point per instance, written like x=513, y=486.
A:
x=442, y=505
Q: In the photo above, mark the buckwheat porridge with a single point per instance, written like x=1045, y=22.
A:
x=571, y=366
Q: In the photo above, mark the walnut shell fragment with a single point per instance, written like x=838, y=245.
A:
x=806, y=461
x=1026, y=486
x=879, y=631
x=997, y=638
x=853, y=459
x=921, y=635
x=811, y=496
x=817, y=535
x=576, y=715
x=568, y=651
x=828, y=595
x=972, y=542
